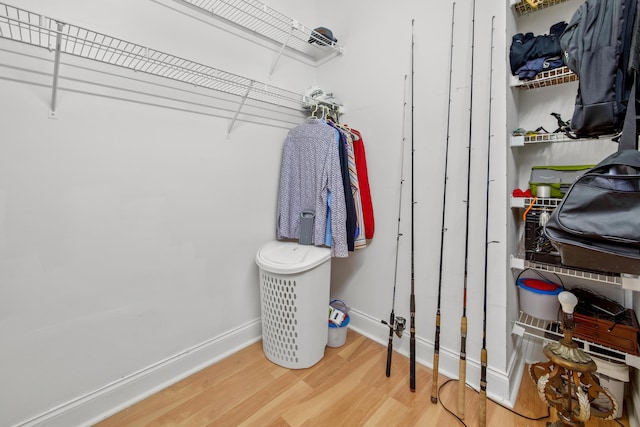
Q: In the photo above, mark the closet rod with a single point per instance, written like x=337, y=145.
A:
x=38, y=30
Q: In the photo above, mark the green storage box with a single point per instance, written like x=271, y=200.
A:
x=559, y=178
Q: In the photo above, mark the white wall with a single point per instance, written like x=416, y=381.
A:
x=129, y=223
x=371, y=78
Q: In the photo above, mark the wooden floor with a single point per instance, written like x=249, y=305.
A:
x=348, y=387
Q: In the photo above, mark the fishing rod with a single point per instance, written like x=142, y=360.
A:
x=483, y=352
x=462, y=374
x=412, y=301
x=436, y=341
x=397, y=324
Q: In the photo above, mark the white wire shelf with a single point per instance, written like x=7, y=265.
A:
x=553, y=77
x=626, y=281
x=549, y=331
x=37, y=30
x=262, y=20
x=538, y=202
x=608, y=278
x=522, y=7
x=548, y=138
x=540, y=138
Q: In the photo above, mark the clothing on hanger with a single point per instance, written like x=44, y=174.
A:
x=363, y=181
x=324, y=170
x=347, y=191
x=360, y=240
x=311, y=169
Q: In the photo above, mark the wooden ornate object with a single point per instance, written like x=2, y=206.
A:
x=565, y=382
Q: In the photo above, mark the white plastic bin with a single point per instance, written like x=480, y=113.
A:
x=613, y=376
x=540, y=303
x=294, y=296
x=338, y=331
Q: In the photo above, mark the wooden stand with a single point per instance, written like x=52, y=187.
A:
x=565, y=381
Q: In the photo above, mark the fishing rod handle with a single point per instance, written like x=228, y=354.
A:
x=436, y=361
x=389, y=352
x=462, y=381
x=483, y=387
x=412, y=344
x=391, y=324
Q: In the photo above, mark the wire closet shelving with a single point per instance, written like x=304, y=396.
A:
x=557, y=76
x=549, y=331
x=60, y=37
x=266, y=22
x=522, y=140
x=523, y=7
x=519, y=263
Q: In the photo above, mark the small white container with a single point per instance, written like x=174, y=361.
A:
x=338, y=334
x=541, y=304
x=543, y=191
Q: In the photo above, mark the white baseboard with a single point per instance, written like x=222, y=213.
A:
x=500, y=388
x=99, y=404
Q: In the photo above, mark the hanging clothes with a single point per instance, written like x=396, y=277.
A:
x=311, y=170
x=363, y=181
x=345, y=156
x=360, y=241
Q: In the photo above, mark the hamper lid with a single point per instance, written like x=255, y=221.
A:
x=540, y=285
x=290, y=257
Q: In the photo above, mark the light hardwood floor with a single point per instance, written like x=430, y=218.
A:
x=348, y=387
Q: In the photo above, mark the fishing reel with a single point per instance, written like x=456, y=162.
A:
x=399, y=325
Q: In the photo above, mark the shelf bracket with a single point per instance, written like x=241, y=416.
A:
x=56, y=70
x=294, y=25
x=632, y=360
x=235, y=116
x=631, y=282
x=517, y=263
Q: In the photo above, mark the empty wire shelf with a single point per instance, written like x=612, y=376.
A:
x=38, y=30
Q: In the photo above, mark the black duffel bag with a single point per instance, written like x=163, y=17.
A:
x=597, y=224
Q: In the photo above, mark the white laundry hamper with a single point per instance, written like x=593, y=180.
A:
x=294, y=297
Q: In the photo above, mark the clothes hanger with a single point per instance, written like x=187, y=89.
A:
x=314, y=111
x=334, y=115
x=345, y=127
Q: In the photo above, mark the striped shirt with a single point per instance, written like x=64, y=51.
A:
x=310, y=169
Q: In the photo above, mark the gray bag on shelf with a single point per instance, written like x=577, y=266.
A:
x=597, y=224
x=596, y=45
